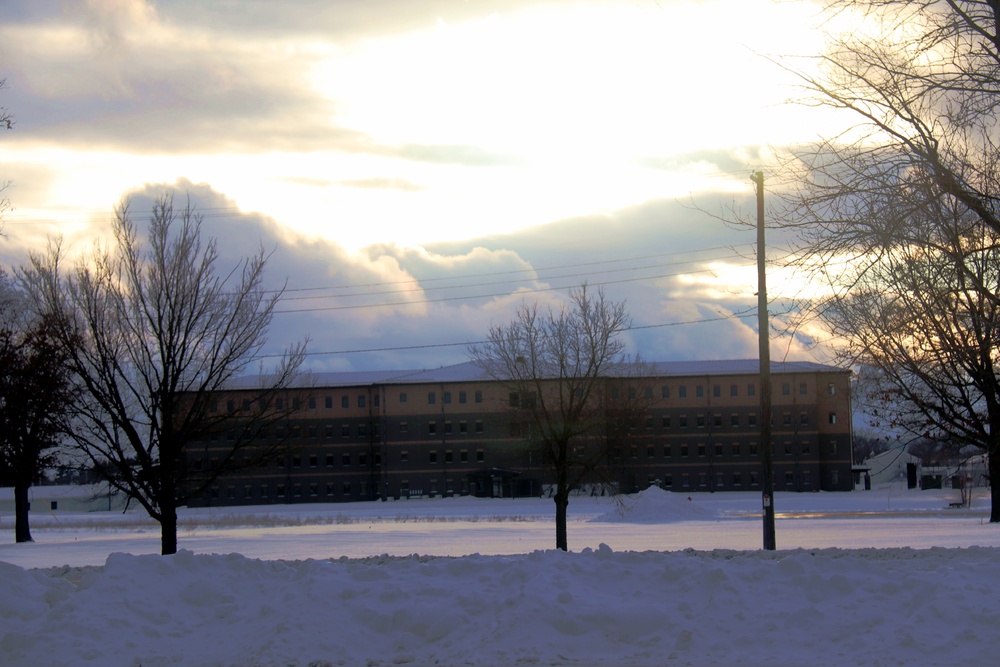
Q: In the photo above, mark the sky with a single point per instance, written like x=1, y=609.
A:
x=419, y=169
x=870, y=578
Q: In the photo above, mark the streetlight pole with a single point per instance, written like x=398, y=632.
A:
x=763, y=340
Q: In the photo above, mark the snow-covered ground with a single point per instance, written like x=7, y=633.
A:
x=879, y=578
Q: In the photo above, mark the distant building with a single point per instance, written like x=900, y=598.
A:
x=894, y=466
x=448, y=431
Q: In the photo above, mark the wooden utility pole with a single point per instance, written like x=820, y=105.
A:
x=764, y=345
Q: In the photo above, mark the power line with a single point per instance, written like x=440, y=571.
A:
x=426, y=346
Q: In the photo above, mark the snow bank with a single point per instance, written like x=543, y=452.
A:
x=596, y=607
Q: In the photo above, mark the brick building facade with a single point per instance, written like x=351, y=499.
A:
x=448, y=431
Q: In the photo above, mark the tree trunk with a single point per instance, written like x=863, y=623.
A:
x=562, y=503
x=993, y=456
x=168, y=530
x=22, y=533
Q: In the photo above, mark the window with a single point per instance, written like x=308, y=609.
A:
x=480, y=456
x=432, y=457
x=448, y=456
x=831, y=389
x=404, y=456
x=313, y=461
x=461, y=397
x=346, y=488
x=312, y=431
x=647, y=393
x=361, y=401
x=699, y=391
x=213, y=406
x=479, y=397
x=377, y=399
x=804, y=447
x=833, y=417
x=330, y=488
x=682, y=421
x=649, y=422
x=788, y=448
x=666, y=451
x=230, y=406
x=734, y=421
x=666, y=422
x=345, y=459
x=650, y=451
x=402, y=397
x=362, y=429
x=345, y=430
x=328, y=402
x=312, y=402
x=684, y=451
x=718, y=449
x=786, y=419
x=246, y=405
x=737, y=479
x=329, y=460
x=463, y=427
x=702, y=479
x=665, y=391
x=804, y=419
x=314, y=489
x=682, y=391
x=296, y=461
x=751, y=390
x=447, y=426
x=432, y=428
x=736, y=449
x=279, y=404
x=479, y=426
x=404, y=427
x=686, y=481
x=716, y=390
x=700, y=421
x=446, y=397
x=753, y=449
x=717, y=420
x=701, y=449
x=463, y=456
x=751, y=420
x=789, y=479
x=362, y=459
x=431, y=398
x=786, y=389
x=803, y=389
x=734, y=390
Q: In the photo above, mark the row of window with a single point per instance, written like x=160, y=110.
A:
x=735, y=420
x=361, y=400
x=736, y=480
x=736, y=449
x=314, y=490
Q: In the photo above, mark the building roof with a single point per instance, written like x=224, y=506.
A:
x=469, y=372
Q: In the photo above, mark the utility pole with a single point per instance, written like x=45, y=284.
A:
x=764, y=345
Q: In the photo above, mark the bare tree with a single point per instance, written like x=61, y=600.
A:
x=898, y=214
x=555, y=365
x=36, y=392
x=928, y=324
x=161, y=333
x=6, y=123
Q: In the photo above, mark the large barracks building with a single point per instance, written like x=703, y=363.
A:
x=448, y=431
